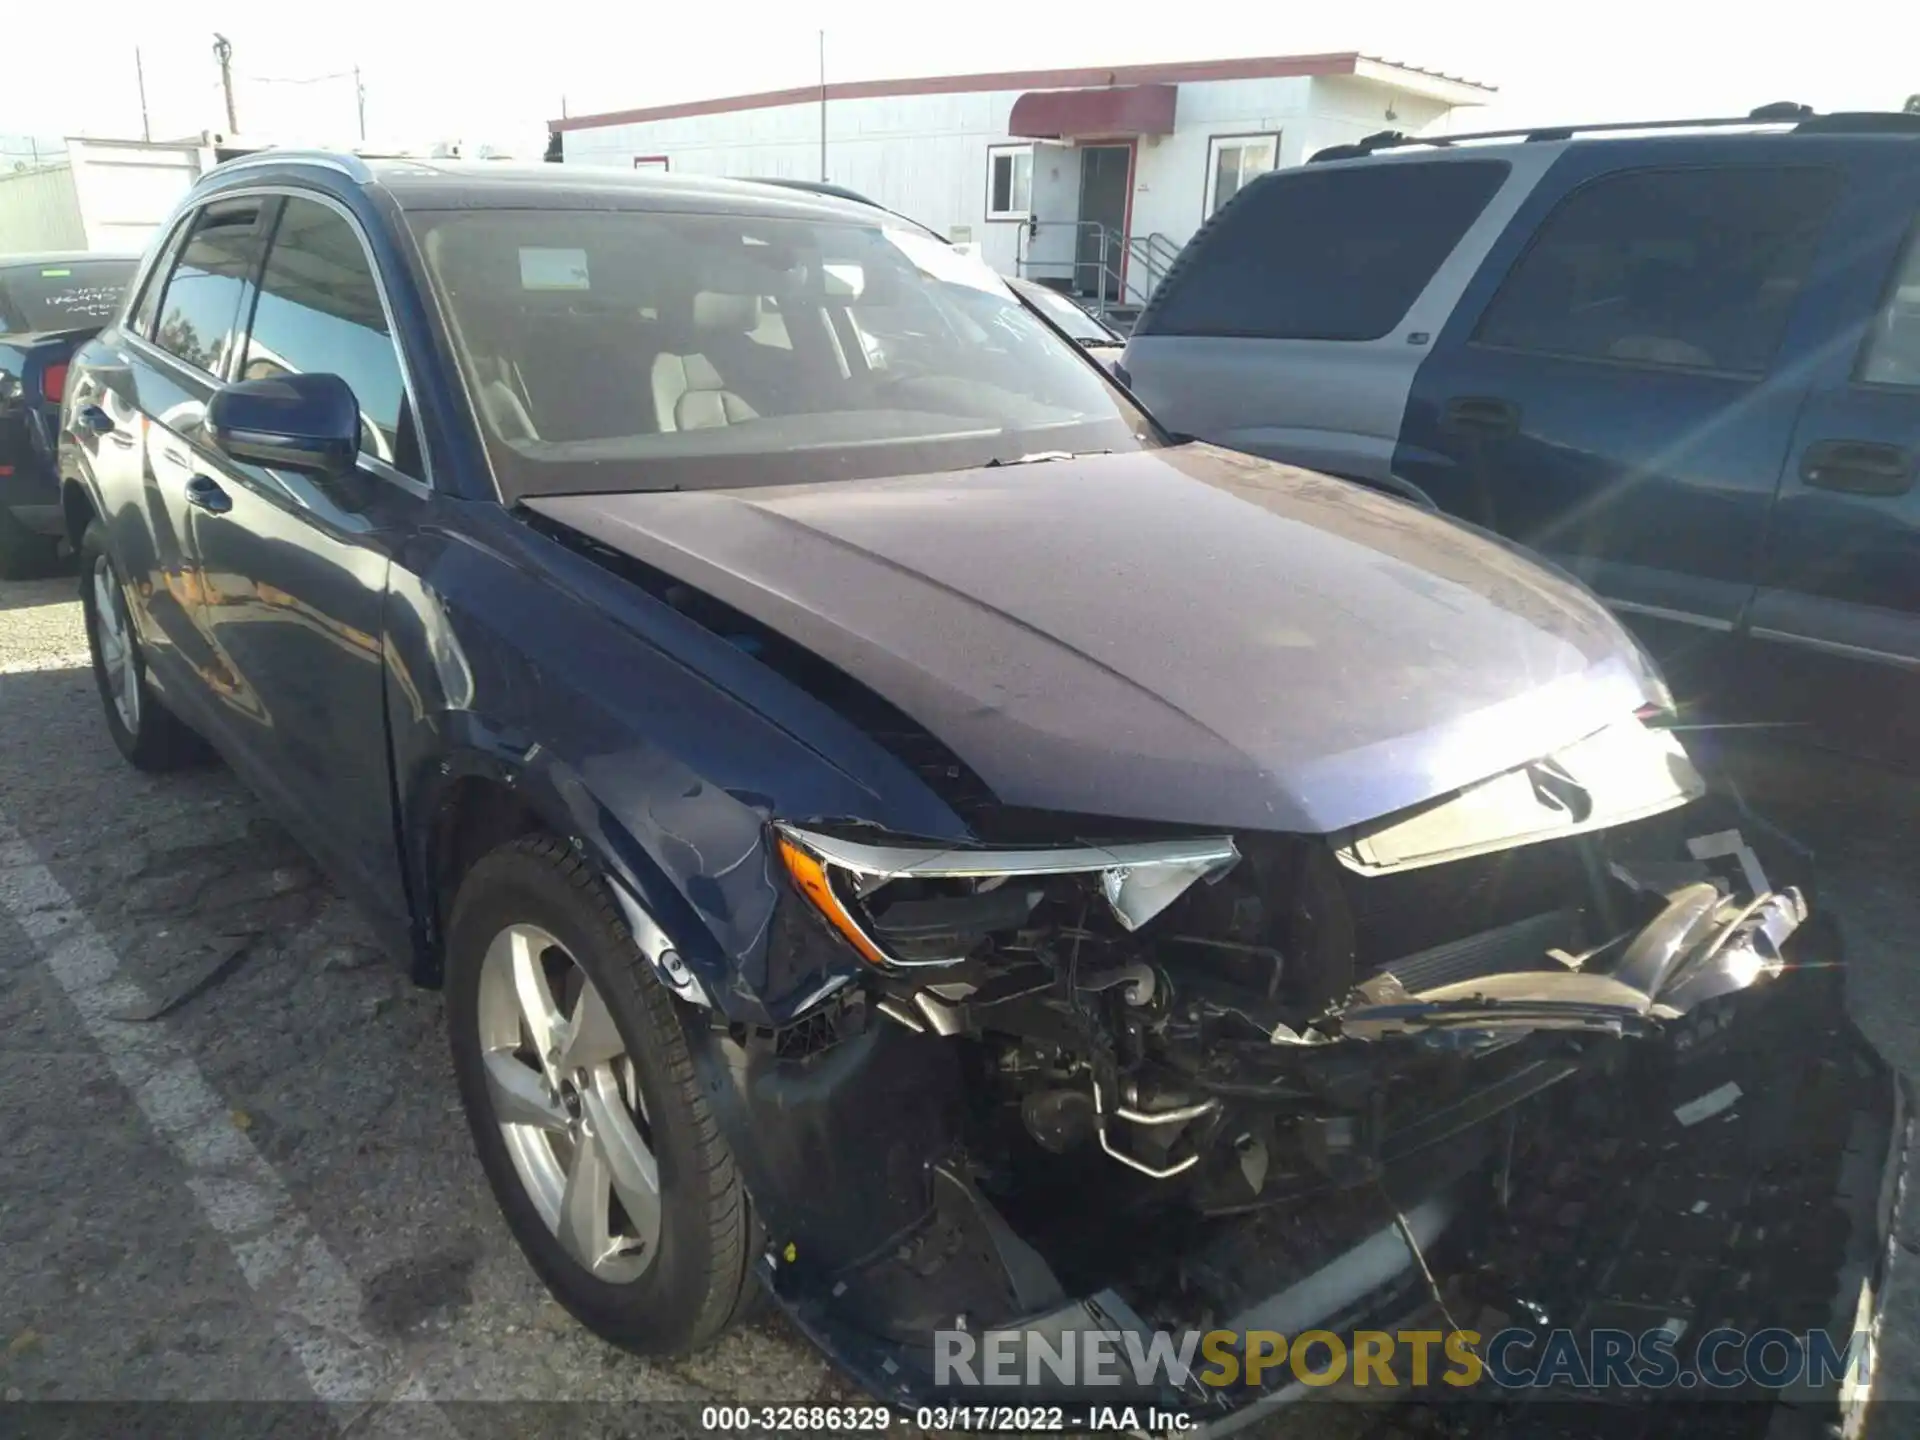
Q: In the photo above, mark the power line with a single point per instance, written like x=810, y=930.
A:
x=299, y=80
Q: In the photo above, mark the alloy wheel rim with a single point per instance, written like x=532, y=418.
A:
x=118, y=666
x=565, y=1095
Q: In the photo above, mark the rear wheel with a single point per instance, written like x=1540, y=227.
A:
x=579, y=1088
x=144, y=730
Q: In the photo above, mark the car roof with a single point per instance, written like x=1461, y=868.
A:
x=815, y=187
x=424, y=184
x=1784, y=118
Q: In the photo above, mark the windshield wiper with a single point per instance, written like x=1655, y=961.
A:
x=1040, y=457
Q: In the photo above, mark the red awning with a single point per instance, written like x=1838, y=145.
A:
x=1115, y=110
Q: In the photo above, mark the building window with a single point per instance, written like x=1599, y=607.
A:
x=1009, y=182
x=650, y=162
x=1233, y=160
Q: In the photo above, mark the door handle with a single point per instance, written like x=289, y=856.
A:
x=1482, y=414
x=97, y=420
x=203, y=493
x=1857, y=467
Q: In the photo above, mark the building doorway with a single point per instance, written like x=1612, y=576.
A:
x=1106, y=182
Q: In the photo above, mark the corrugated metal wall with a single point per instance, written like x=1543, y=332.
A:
x=39, y=211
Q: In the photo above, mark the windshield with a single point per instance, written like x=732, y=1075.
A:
x=1067, y=315
x=61, y=295
x=638, y=350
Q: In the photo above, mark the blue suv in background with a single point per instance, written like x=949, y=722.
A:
x=1681, y=360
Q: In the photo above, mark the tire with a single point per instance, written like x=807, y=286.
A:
x=697, y=1277
x=148, y=734
x=25, y=555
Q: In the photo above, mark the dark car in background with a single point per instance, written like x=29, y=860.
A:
x=1680, y=360
x=49, y=304
x=893, y=827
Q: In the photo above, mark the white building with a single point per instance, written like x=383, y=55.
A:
x=1090, y=179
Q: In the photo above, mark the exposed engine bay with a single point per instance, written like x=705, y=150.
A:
x=1245, y=1019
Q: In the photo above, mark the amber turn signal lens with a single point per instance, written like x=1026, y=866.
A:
x=811, y=876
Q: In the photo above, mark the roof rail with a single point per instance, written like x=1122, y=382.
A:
x=352, y=166
x=1801, y=119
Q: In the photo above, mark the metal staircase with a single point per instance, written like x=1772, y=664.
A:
x=1112, y=274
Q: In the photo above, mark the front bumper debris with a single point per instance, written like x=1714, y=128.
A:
x=1747, y=1180
x=924, y=1180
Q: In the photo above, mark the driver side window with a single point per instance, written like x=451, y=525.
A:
x=319, y=312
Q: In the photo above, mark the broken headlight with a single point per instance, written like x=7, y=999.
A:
x=905, y=902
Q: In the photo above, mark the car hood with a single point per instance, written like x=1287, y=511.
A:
x=1185, y=634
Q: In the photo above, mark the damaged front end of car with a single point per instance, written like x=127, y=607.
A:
x=1087, y=1078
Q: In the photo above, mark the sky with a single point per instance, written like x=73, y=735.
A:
x=495, y=74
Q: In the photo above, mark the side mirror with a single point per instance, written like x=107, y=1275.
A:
x=307, y=423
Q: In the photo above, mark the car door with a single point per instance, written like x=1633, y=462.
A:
x=296, y=566
x=1842, y=566
x=152, y=419
x=1838, y=609
x=1619, y=385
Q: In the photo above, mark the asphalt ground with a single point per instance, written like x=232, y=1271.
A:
x=260, y=1189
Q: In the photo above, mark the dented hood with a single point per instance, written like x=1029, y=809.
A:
x=1184, y=635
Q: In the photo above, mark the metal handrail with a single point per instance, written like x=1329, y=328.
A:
x=1155, y=254
x=1157, y=246
x=1117, y=285
x=1106, y=276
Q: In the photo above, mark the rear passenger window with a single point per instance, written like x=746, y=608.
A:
x=1892, y=354
x=319, y=313
x=1693, y=269
x=1324, y=254
x=203, y=294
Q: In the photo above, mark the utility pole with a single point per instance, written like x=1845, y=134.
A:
x=823, y=107
x=140, y=74
x=360, y=96
x=223, y=52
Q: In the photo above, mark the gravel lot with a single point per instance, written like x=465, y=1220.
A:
x=140, y=1208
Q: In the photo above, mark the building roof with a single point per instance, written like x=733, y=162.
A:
x=1432, y=83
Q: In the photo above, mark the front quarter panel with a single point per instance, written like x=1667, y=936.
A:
x=654, y=745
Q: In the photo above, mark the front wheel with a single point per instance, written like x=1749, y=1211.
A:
x=579, y=1088
x=145, y=731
